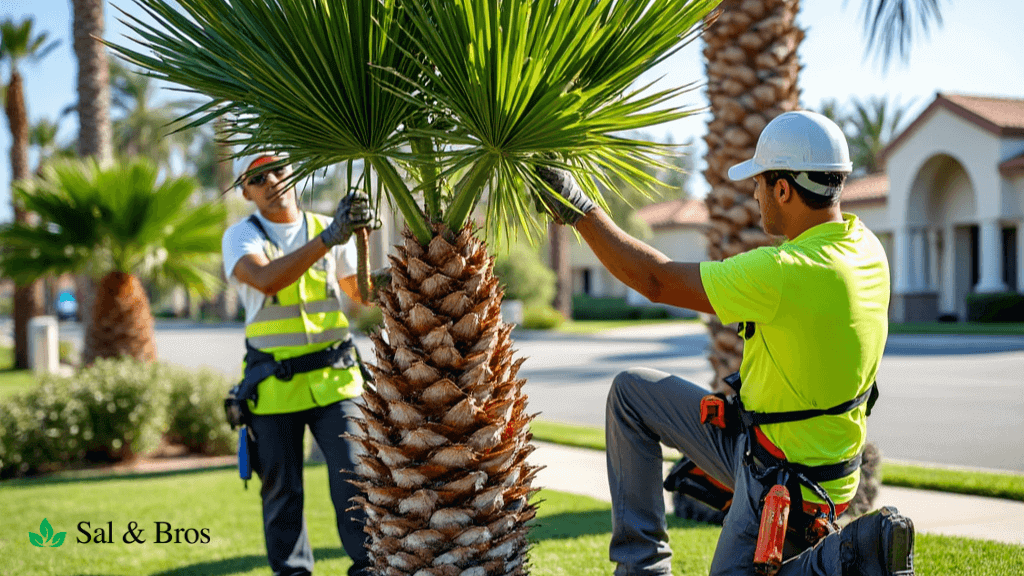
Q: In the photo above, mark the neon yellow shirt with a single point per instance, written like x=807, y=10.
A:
x=820, y=303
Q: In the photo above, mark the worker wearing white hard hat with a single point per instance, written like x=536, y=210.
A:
x=812, y=312
x=301, y=369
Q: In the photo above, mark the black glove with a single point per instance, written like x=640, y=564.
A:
x=354, y=211
x=563, y=184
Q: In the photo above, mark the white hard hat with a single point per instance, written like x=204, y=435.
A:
x=800, y=142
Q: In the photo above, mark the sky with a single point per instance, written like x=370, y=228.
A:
x=978, y=50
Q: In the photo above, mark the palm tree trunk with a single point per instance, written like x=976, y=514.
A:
x=445, y=429
x=28, y=299
x=122, y=324
x=225, y=181
x=94, y=132
x=753, y=69
x=562, y=265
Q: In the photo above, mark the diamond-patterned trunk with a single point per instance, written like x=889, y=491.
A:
x=753, y=68
x=445, y=474
x=122, y=324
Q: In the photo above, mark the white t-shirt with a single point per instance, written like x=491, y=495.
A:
x=243, y=238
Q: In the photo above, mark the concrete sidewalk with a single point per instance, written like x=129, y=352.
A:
x=581, y=471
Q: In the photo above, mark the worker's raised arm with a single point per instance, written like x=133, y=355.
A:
x=633, y=262
x=642, y=267
x=270, y=276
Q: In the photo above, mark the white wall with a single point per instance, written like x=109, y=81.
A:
x=874, y=215
x=684, y=244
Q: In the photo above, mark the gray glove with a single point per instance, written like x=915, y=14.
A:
x=563, y=184
x=354, y=211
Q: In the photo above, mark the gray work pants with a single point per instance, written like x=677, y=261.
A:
x=279, y=464
x=647, y=408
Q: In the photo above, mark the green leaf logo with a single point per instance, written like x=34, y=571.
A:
x=46, y=538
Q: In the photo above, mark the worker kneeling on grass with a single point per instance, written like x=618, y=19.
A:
x=813, y=314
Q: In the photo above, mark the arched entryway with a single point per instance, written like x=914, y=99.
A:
x=940, y=241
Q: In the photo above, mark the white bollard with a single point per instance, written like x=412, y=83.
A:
x=512, y=312
x=43, y=345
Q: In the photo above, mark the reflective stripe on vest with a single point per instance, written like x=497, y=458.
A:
x=305, y=316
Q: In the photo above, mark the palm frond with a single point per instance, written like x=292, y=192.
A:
x=119, y=218
x=890, y=26
x=525, y=82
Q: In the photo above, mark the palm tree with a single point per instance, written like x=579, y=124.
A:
x=116, y=225
x=94, y=133
x=870, y=127
x=43, y=137
x=18, y=45
x=144, y=128
x=753, y=76
x=469, y=96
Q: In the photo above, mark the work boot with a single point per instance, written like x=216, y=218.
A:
x=878, y=544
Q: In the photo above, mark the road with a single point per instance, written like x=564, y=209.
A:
x=954, y=400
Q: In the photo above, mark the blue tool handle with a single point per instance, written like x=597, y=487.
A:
x=244, y=467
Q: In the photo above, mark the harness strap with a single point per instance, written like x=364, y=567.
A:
x=260, y=365
x=751, y=418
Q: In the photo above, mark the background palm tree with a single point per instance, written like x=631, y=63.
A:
x=43, y=139
x=19, y=44
x=467, y=97
x=94, y=132
x=116, y=225
x=869, y=127
x=145, y=128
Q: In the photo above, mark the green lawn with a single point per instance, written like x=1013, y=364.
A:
x=571, y=533
x=13, y=381
x=1009, y=486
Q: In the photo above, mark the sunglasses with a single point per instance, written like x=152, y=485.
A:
x=261, y=178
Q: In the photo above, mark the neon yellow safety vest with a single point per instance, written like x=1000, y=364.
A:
x=303, y=318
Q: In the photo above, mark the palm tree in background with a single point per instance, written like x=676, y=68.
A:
x=43, y=138
x=869, y=127
x=464, y=98
x=95, y=135
x=116, y=225
x=20, y=44
x=144, y=128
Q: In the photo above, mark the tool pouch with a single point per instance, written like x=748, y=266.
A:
x=236, y=409
x=686, y=478
x=720, y=411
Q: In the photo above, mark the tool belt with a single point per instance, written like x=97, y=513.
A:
x=729, y=414
x=260, y=365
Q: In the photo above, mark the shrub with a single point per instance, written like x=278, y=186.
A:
x=607, y=308
x=525, y=276
x=67, y=353
x=195, y=411
x=107, y=412
x=1001, y=307
x=541, y=318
